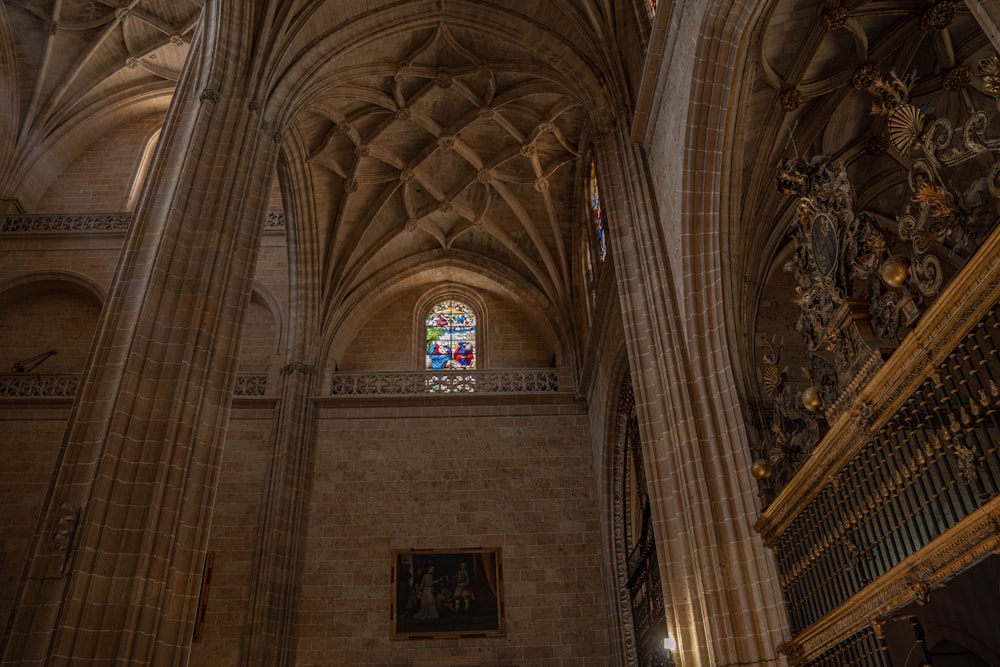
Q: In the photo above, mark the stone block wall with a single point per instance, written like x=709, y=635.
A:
x=29, y=445
x=390, y=339
x=234, y=532
x=101, y=176
x=32, y=323
x=447, y=473
x=260, y=339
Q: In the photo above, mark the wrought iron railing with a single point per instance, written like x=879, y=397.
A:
x=444, y=382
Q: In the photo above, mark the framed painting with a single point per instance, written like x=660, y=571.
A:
x=447, y=593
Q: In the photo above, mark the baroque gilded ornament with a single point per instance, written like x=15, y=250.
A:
x=865, y=75
x=834, y=246
x=942, y=217
x=793, y=431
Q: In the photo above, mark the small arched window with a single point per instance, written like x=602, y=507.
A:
x=450, y=341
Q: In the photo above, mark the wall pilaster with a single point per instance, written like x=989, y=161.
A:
x=269, y=633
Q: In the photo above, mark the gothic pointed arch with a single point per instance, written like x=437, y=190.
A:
x=640, y=596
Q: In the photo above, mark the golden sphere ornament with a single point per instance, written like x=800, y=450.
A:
x=761, y=469
x=895, y=271
x=811, y=399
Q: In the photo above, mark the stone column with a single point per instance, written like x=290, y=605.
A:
x=722, y=601
x=269, y=633
x=117, y=558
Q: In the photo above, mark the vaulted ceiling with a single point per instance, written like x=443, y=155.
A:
x=437, y=149
x=449, y=133
x=444, y=136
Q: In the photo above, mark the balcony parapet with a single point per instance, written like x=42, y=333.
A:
x=22, y=385
x=94, y=222
x=99, y=222
x=445, y=382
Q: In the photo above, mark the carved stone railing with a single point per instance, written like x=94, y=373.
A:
x=21, y=385
x=274, y=220
x=99, y=222
x=102, y=222
x=250, y=385
x=444, y=382
x=903, y=492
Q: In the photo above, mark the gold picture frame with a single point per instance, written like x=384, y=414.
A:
x=447, y=593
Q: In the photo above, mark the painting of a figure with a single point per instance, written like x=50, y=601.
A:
x=446, y=593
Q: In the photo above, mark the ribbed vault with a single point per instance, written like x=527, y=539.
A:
x=449, y=140
x=86, y=59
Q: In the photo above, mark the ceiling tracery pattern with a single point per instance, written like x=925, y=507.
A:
x=81, y=63
x=443, y=151
x=88, y=50
x=448, y=149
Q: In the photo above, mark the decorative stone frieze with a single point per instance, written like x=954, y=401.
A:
x=298, y=367
x=19, y=385
x=274, y=220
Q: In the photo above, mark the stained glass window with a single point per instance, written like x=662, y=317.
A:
x=598, y=216
x=451, y=337
x=651, y=5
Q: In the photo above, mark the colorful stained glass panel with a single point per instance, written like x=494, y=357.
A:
x=598, y=216
x=451, y=337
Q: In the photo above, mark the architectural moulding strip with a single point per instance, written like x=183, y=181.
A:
x=449, y=405
x=22, y=385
